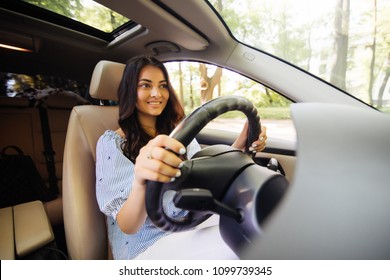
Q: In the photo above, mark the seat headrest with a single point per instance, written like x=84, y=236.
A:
x=105, y=80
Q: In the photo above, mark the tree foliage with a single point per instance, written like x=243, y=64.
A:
x=84, y=11
x=346, y=44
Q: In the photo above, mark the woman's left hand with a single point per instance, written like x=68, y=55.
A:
x=256, y=146
x=259, y=145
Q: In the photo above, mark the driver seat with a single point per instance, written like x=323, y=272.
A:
x=85, y=227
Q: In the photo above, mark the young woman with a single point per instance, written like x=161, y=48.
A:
x=138, y=151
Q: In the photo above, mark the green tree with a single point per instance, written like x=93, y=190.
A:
x=87, y=12
x=341, y=26
x=373, y=50
x=382, y=52
x=69, y=9
x=207, y=83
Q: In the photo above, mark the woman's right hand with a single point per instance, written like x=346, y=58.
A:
x=157, y=162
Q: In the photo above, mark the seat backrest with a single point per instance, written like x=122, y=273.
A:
x=85, y=228
x=23, y=122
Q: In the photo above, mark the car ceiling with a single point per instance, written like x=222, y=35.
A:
x=59, y=49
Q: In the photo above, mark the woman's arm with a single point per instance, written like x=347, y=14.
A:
x=154, y=163
x=132, y=215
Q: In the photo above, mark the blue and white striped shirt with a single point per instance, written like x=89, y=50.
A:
x=114, y=180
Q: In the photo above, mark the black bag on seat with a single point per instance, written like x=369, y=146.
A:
x=19, y=179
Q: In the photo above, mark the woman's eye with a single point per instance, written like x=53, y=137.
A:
x=163, y=86
x=143, y=85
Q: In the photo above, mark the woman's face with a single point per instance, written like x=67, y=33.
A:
x=152, y=92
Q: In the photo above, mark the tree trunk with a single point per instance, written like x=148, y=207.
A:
x=219, y=6
x=192, y=103
x=112, y=19
x=373, y=51
x=207, y=84
x=384, y=83
x=339, y=63
x=268, y=95
x=181, y=85
x=219, y=88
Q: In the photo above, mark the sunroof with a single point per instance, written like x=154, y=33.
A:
x=84, y=11
x=86, y=16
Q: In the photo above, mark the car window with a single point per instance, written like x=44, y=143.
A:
x=196, y=83
x=344, y=42
x=21, y=85
x=87, y=12
x=85, y=16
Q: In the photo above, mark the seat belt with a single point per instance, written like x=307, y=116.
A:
x=48, y=151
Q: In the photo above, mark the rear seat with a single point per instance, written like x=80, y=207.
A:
x=21, y=126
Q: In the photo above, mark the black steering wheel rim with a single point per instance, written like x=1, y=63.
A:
x=185, y=132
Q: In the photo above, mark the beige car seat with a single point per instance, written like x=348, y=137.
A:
x=85, y=227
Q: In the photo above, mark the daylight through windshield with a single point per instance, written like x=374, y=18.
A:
x=344, y=42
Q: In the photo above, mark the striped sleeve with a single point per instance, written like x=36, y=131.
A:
x=114, y=174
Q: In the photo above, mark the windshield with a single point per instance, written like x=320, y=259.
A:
x=344, y=42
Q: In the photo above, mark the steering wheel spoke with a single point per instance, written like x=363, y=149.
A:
x=202, y=200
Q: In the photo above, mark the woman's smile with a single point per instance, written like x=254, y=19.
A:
x=154, y=103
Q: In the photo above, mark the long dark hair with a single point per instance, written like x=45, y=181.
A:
x=136, y=136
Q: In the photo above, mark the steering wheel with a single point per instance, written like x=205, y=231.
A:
x=204, y=186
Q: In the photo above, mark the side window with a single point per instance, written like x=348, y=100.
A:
x=21, y=85
x=196, y=83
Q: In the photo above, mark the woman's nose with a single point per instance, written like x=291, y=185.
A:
x=155, y=92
